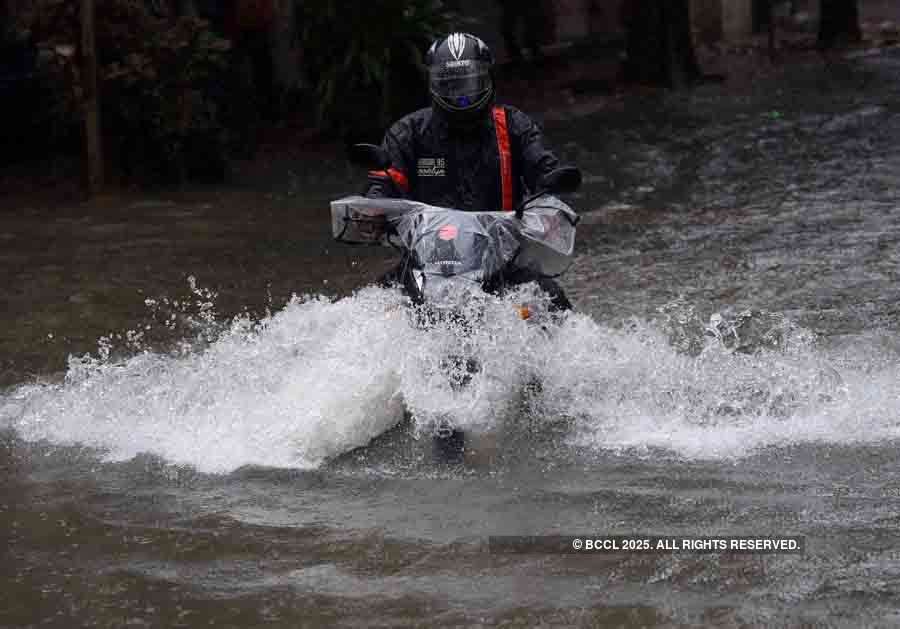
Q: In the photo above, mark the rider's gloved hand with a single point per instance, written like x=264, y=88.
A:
x=375, y=188
x=386, y=184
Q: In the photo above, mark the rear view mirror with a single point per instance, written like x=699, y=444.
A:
x=369, y=156
x=561, y=181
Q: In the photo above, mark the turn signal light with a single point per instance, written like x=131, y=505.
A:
x=524, y=312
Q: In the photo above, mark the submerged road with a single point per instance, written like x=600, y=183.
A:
x=223, y=458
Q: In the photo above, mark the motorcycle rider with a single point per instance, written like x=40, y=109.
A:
x=465, y=151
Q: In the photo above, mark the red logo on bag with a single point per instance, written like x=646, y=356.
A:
x=448, y=232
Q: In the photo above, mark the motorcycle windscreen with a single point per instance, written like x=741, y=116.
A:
x=454, y=243
x=547, y=236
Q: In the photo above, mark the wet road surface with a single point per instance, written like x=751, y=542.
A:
x=225, y=458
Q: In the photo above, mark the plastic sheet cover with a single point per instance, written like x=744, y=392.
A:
x=451, y=242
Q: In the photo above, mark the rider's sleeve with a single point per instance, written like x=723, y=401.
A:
x=536, y=159
x=393, y=182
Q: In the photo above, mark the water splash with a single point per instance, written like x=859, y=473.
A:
x=321, y=377
x=757, y=381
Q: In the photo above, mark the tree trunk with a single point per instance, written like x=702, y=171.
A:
x=838, y=22
x=187, y=8
x=659, y=46
x=762, y=15
x=91, y=100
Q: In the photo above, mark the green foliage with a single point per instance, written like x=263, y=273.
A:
x=158, y=77
x=365, y=59
x=162, y=85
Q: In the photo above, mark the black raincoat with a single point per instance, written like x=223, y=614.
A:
x=461, y=167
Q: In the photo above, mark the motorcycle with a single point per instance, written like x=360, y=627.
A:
x=452, y=258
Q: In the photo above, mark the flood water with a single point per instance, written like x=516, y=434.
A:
x=182, y=445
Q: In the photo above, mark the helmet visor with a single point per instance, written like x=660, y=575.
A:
x=461, y=83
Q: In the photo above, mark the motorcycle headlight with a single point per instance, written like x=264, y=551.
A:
x=446, y=292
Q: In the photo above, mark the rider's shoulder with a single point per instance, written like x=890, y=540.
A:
x=517, y=117
x=415, y=121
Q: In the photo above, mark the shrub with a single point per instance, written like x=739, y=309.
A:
x=160, y=81
x=365, y=59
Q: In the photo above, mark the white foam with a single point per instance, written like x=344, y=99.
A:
x=631, y=389
x=306, y=383
x=321, y=377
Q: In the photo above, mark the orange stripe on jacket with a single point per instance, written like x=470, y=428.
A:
x=506, y=179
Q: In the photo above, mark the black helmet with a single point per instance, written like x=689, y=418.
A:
x=461, y=76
